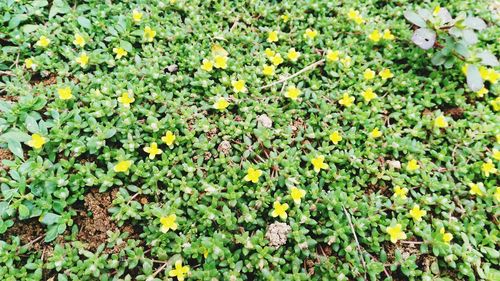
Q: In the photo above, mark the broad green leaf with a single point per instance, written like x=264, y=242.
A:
x=24, y=212
x=16, y=148
x=475, y=23
x=487, y=58
x=414, y=18
x=474, y=80
x=424, y=38
x=84, y=22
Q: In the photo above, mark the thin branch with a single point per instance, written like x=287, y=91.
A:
x=355, y=238
x=309, y=67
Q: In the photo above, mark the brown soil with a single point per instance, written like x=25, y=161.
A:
x=9, y=98
x=454, y=112
x=50, y=79
x=29, y=231
x=5, y=154
x=94, y=221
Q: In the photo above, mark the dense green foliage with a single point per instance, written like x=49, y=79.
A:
x=88, y=87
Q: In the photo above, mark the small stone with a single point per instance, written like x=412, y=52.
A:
x=394, y=164
x=277, y=233
x=224, y=147
x=265, y=121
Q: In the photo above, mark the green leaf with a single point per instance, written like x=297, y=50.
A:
x=24, y=212
x=16, y=20
x=51, y=233
x=16, y=148
x=474, y=80
x=15, y=135
x=126, y=45
x=475, y=23
x=414, y=18
x=84, y=22
x=31, y=124
x=487, y=58
x=50, y=218
x=28, y=28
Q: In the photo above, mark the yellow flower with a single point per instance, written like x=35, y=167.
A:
x=168, y=139
x=483, y=91
x=488, y=168
x=221, y=104
x=218, y=50
x=310, y=33
x=412, y=165
x=79, y=40
x=388, y=35
x=293, y=55
x=447, y=237
x=269, y=53
x=179, y=271
x=29, y=63
x=220, y=61
x=64, y=93
x=268, y=70
x=136, y=16
x=489, y=74
x=335, y=137
x=153, y=150
x=292, y=93
x=126, y=99
x=386, y=74
x=496, y=154
x=207, y=65
x=496, y=104
x=369, y=74
x=347, y=61
x=43, y=42
x=120, y=52
x=276, y=59
x=279, y=210
x=332, y=55
x=355, y=16
x=465, y=67
x=476, y=188
x=497, y=193
x=346, y=100
x=285, y=18
x=122, y=166
x=83, y=59
x=440, y=122
x=436, y=10
x=375, y=133
x=297, y=194
x=149, y=34
x=375, y=36
x=400, y=192
x=318, y=163
x=368, y=95
x=396, y=233
x=239, y=86
x=416, y=213
x=168, y=223
x=272, y=36
x=253, y=175
x=37, y=141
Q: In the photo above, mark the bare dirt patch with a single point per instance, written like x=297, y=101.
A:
x=94, y=221
x=5, y=154
x=29, y=231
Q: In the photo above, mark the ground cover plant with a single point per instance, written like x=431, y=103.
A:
x=249, y=140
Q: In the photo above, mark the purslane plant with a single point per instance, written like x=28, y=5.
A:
x=453, y=38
